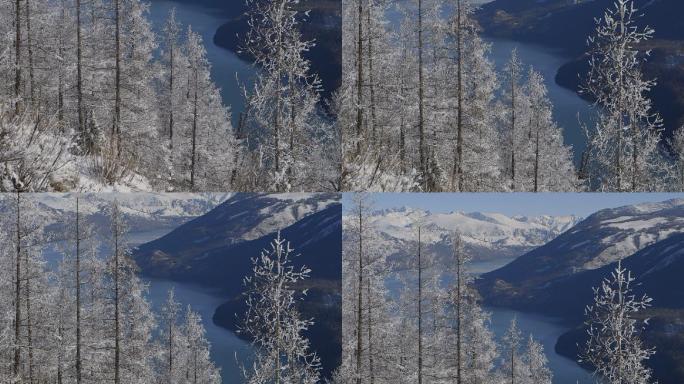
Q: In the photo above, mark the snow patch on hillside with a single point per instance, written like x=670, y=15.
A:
x=638, y=225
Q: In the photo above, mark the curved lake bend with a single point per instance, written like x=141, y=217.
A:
x=226, y=347
x=227, y=70
x=569, y=110
x=546, y=331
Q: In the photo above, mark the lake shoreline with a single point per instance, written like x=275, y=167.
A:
x=547, y=330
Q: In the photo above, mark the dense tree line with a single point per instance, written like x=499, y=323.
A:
x=92, y=98
x=87, y=320
x=429, y=326
x=425, y=110
x=418, y=319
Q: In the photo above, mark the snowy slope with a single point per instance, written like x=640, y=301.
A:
x=600, y=240
x=486, y=235
x=242, y=218
x=216, y=249
x=139, y=204
x=147, y=215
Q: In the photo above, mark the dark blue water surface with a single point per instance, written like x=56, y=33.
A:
x=227, y=70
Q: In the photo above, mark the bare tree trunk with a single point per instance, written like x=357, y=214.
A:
x=359, y=80
x=277, y=319
x=29, y=47
x=116, y=129
x=371, y=373
x=512, y=366
x=371, y=84
x=117, y=320
x=536, y=160
x=620, y=122
x=17, y=293
x=459, y=315
x=29, y=326
x=421, y=112
x=17, y=53
x=635, y=154
x=458, y=166
x=79, y=69
x=60, y=79
x=194, y=136
x=278, y=118
x=359, y=339
x=170, y=352
x=420, y=312
x=79, y=366
x=60, y=356
x=172, y=49
x=514, y=90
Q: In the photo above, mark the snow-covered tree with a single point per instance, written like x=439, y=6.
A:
x=207, y=146
x=549, y=163
x=513, y=363
x=624, y=143
x=283, y=104
x=424, y=108
x=537, y=363
x=131, y=321
x=172, y=340
x=514, y=104
x=198, y=366
x=273, y=321
x=677, y=145
x=108, y=106
x=26, y=340
x=85, y=318
x=31, y=151
x=477, y=83
x=411, y=316
x=614, y=347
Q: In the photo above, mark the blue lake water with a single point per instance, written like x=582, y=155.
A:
x=546, y=331
x=569, y=110
x=227, y=351
x=227, y=70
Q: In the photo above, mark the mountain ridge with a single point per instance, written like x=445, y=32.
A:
x=216, y=251
x=557, y=278
x=487, y=236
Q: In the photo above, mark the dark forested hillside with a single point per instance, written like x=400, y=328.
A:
x=324, y=26
x=557, y=278
x=549, y=22
x=216, y=251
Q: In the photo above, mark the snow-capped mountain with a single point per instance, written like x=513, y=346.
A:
x=141, y=204
x=601, y=239
x=487, y=236
x=147, y=215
